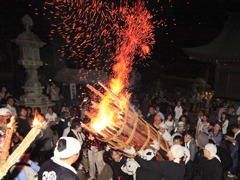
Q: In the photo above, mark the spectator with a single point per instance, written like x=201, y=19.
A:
x=170, y=122
x=10, y=105
x=178, y=110
x=151, y=114
x=157, y=122
x=190, y=144
x=215, y=134
x=23, y=126
x=224, y=122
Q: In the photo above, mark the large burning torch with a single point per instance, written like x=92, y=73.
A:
x=125, y=129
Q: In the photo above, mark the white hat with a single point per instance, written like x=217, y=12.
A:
x=4, y=111
x=181, y=124
x=213, y=150
x=163, y=125
x=72, y=147
x=177, y=152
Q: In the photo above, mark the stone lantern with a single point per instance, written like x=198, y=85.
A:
x=29, y=45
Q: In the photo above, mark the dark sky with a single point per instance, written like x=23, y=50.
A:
x=189, y=23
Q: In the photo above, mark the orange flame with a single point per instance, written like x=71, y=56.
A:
x=136, y=33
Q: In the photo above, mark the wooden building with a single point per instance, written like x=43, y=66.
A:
x=224, y=53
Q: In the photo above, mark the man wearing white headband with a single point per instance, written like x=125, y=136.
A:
x=212, y=168
x=172, y=169
x=59, y=167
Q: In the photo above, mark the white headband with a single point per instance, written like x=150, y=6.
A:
x=177, y=152
x=163, y=125
x=72, y=147
x=213, y=150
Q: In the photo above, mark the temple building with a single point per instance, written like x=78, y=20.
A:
x=224, y=53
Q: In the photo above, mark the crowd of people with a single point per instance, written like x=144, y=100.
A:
x=203, y=138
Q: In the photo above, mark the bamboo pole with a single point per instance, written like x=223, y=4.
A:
x=16, y=155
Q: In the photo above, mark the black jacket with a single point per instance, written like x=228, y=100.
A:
x=118, y=174
x=169, y=169
x=50, y=168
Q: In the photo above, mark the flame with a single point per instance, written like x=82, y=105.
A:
x=35, y=121
x=136, y=33
x=11, y=123
x=38, y=120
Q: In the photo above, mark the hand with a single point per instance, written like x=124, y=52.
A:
x=155, y=145
x=142, y=154
x=130, y=151
x=108, y=148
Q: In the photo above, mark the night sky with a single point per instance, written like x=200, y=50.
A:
x=188, y=23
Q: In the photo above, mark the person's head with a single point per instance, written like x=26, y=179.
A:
x=157, y=109
x=178, y=103
x=5, y=114
x=176, y=153
x=4, y=89
x=231, y=109
x=205, y=118
x=67, y=149
x=202, y=140
x=181, y=127
x=29, y=111
x=223, y=116
x=188, y=136
x=22, y=111
x=177, y=140
x=37, y=110
x=200, y=113
x=76, y=125
x=217, y=127
x=10, y=101
x=163, y=127
x=185, y=112
x=63, y=108
x=157, y=119
x=151, y=110
x=184, y=119
x=50, y=110
x=234, y=128
x=210, y=151
x=169, y=116
x=116, y=155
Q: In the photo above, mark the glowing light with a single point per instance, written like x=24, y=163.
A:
x=137, y=33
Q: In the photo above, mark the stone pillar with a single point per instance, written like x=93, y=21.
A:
x=29, y=45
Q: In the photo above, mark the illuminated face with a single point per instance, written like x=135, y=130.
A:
x=151, y=110
x=162, y=130
x=116, y=156
x=217, y=128
x=23, y=113
x=187, y=138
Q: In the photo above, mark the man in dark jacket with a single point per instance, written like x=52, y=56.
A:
x=59, y=167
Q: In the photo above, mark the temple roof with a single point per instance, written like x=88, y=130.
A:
x=224, y=48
